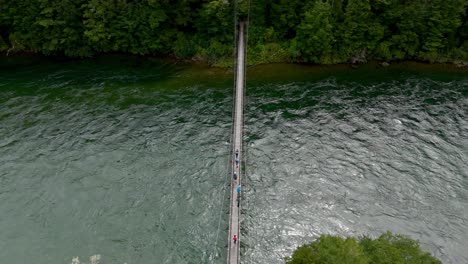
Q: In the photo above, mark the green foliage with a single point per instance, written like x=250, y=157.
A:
x=442, y=24
x=266, y=53
x=3, y=45
x=407, y=23
x=243, y=7
x=315, y=33
x=318, y=31
x=126, y=26
x=287, y=17
x=360, y=30
x=387, y=249
x=184, y=46
x=329, y=249
x=214, y=21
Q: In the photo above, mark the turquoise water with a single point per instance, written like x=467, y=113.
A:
x=114, y=158
x=125, y=159
x=332, y=150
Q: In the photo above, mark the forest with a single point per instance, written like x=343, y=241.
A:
x=305, y=31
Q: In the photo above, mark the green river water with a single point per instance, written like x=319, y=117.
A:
x=125, y=160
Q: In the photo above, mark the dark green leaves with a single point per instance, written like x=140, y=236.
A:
x=387, y=249
x=317, y=31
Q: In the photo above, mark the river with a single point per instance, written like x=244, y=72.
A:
x=125, y=160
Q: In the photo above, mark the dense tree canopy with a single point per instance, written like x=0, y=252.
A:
x=387, y=249
x=317, y=31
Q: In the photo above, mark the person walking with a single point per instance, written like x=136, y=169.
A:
x=234, y=239
x=237, y=153
x=234, y=175
x=238, y=190
x=237, y=163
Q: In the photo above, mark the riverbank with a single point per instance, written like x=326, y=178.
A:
x=30, y=58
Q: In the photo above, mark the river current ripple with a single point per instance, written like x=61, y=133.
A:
x=125, y=160
x=351, y=158
x=112, y=161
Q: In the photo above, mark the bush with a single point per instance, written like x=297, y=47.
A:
x=387, y=249
x=184, y=47
x=3, y=45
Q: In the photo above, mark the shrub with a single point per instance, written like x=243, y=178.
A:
x=387, y=249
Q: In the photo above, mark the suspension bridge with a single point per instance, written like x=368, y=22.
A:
x=236, y=152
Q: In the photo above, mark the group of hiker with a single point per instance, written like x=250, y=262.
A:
x=238, y=188
x=234, y=176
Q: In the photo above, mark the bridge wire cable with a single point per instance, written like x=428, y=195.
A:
x=236, y=36
x=244, y=146
x=231, y=151
x=235, y=68
x=245, y=97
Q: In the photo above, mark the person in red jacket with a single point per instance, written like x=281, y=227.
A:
x=235, y=239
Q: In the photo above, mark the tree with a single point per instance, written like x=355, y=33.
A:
x=442, y=24
x=330, y=249
x=404, y=22
x=360, y=30
x=315, y=33
x=319, y=31
x=287, y=16
x=5, y=23
x=387, y=249
x=215, y=20
x=59, y=27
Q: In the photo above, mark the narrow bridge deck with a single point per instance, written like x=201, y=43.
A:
x=234, y=225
